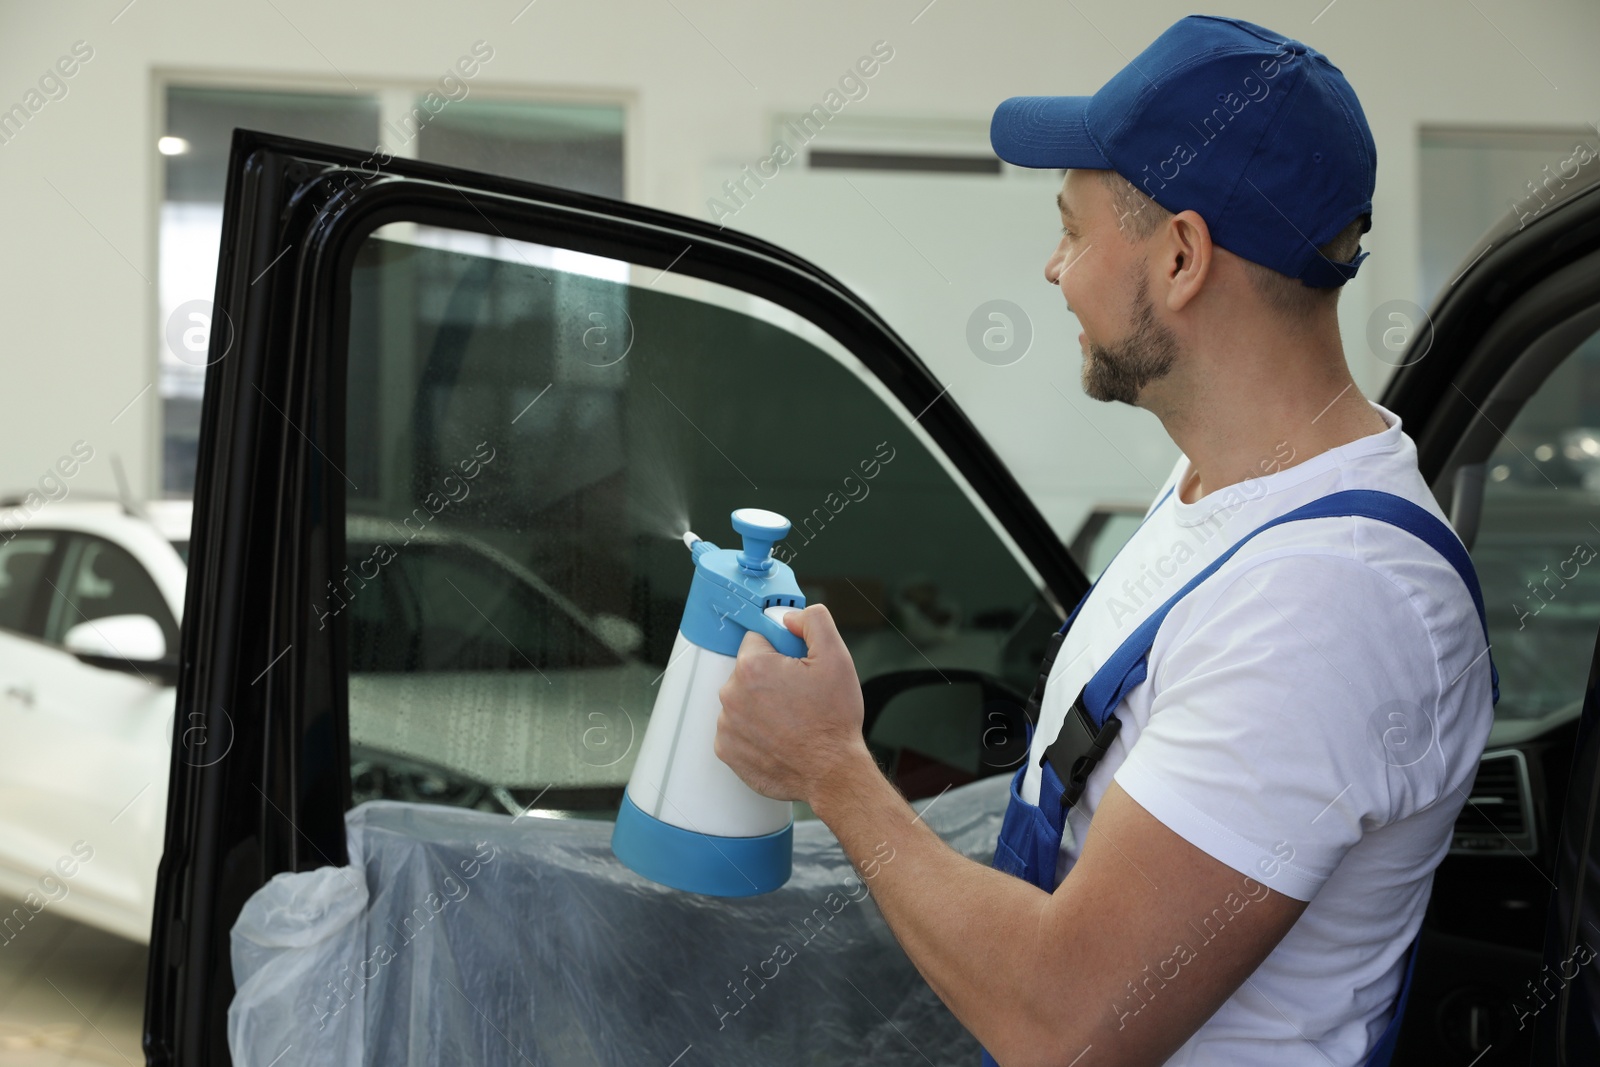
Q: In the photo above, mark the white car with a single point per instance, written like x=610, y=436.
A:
x=91, y=600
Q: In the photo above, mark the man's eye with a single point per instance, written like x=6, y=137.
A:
x=1068, y=231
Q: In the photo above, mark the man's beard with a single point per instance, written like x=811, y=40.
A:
x=1121, y=370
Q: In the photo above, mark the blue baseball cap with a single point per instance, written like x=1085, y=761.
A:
x=1256, y=132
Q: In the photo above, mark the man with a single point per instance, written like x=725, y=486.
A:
x=1248, y=863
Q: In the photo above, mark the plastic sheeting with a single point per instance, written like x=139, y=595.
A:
x=463, y=937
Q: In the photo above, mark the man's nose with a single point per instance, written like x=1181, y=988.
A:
x=1052, y=268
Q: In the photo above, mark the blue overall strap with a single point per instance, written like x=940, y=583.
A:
x=1128, y=665
x=1383, y=1051
x=1030, y=834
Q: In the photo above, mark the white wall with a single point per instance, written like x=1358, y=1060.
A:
x=705, y=80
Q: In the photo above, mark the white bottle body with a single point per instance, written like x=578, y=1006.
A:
x=678, y=778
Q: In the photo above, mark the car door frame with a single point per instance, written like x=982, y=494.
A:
x=1523, y=284
x=268, y=527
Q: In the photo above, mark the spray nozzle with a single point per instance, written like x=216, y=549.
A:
x=698, y=546
x=760, y=529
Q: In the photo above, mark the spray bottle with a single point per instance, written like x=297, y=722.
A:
x=687, y=821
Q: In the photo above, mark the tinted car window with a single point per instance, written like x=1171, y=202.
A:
x=23, y=560
x=577, y=416
x=1536, y=547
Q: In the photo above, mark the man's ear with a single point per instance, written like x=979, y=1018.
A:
x=1186, y=258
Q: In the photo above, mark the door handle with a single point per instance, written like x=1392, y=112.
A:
x=21, y=694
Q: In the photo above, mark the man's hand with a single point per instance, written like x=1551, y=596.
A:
x=1145, y=937
x=790, y=725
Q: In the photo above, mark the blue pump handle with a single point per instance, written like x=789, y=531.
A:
x=732, y=587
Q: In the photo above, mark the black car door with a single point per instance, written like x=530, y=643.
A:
x=448, y=450
x=1500, y=389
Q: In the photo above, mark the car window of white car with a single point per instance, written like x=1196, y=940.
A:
x=1537, y=548
x=24, y=558
x=460, y=609
x=101, y=579
x=530, y=433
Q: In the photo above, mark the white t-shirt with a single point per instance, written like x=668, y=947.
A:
x=1312, y=717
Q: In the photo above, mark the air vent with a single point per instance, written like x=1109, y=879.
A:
x=1497, y=819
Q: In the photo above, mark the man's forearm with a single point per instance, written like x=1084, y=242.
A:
x=969, y=929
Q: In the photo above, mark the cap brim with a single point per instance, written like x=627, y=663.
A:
x=1045, y=131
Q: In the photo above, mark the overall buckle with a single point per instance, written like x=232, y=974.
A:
x=1052, y=648
x=1078, y=748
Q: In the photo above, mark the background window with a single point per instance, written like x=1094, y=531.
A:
x=1472, y=179
x=574, y=145
x=199, y=133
